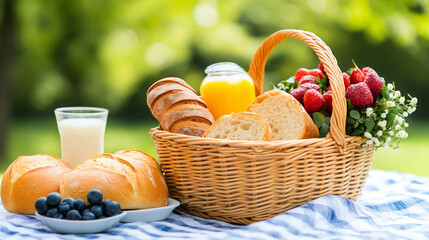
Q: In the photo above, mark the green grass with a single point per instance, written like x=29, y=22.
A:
x=28, y=137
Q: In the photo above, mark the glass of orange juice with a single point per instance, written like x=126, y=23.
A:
x=226, y=89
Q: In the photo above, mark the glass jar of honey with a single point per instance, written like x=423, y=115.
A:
x=227, y=88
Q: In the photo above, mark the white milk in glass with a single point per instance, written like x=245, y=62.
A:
x=81, y=139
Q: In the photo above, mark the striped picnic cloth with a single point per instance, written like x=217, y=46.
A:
x=393, y=206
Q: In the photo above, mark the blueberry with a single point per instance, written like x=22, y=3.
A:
x=105, y=204
x=52, y=212
x=69, y=201
x=63, y=207
x=74, y=215
x=95, y=197
x=41, y=205
x=112, y=209
x=79, y=204
x=53, y=199
x=59, y=216
x=88, y=216
x=84, y=211
x=96, y=209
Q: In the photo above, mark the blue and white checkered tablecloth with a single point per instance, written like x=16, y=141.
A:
x=393, y=206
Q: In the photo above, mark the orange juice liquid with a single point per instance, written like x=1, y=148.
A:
x=227, y=93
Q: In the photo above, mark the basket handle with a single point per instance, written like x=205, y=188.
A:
x=324, y=53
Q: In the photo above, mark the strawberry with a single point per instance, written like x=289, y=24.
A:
x=365, y=70
x=313, y=101
x=301, y=73
x=317, y=73
x=374, y=82
x=328, y=98
x=346, y=80
x=360, y=95
x=308, y=79
x=357, y=75
x=298, y=94
x=321, y=68
x=304, y=72
x=308, y=86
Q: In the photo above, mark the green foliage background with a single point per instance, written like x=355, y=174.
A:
x=107, y=53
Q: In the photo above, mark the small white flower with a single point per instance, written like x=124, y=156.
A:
x=402, y=134
x=376, y=141
x=386, y=111
x=386, y=146
x=383, y=115
x=405, y=114
x=391, y=96
x=397, y=94
x=413, y=101
x=397, y=127
x=399, y=120
x=388, y=140
x=382, y=124
x=379, y=133
x=390, y=86
x=390, y=104
x=367, y=135
x=391, y=133
x=369, y=111
x=401, y=100
x=369, y=142
x=406, y=125
x=411, y=110
x=395, y=150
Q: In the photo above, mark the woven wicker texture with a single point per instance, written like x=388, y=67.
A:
x=243, y=181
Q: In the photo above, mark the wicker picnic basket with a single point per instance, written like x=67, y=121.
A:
x=242, y=182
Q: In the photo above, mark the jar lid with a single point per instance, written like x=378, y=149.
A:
x=223, y=67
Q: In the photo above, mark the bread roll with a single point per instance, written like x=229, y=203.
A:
x=29, y=178
x=132, y=178
x=240, y=126
x=285, y=115
x=178, y=108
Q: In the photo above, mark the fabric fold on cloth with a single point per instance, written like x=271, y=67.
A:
x=393, y=206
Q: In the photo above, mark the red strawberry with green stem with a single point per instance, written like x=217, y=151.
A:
x=313, y=101
x=356, y=76
x=346, y=80
x=360, y=95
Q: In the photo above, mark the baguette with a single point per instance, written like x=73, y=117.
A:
x=240, y=126
x=178, y=108
x=285, y=115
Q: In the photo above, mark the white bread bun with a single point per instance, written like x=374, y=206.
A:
x=285, y=115
x=29, y=178
x=240, y=126
x=132, y=178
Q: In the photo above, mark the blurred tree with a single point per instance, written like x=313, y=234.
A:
x=107, y=53
x=7, y=57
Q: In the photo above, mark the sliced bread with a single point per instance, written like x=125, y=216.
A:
x=285, y=115
x=239, y=126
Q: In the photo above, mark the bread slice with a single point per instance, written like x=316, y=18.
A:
x=161, y=106
x=240, y=126
x=285, y=115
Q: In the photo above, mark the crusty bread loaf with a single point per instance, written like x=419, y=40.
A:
x=285, y=115
x=31, y=177
x=178, y=108
x=132, y=178
x=240, y=126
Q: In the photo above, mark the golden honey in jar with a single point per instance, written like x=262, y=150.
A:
x=226, y=89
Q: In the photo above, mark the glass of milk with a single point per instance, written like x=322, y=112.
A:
x=82, y=132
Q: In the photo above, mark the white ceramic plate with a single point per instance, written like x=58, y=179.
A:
x=151, y=214
x=80, y=226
